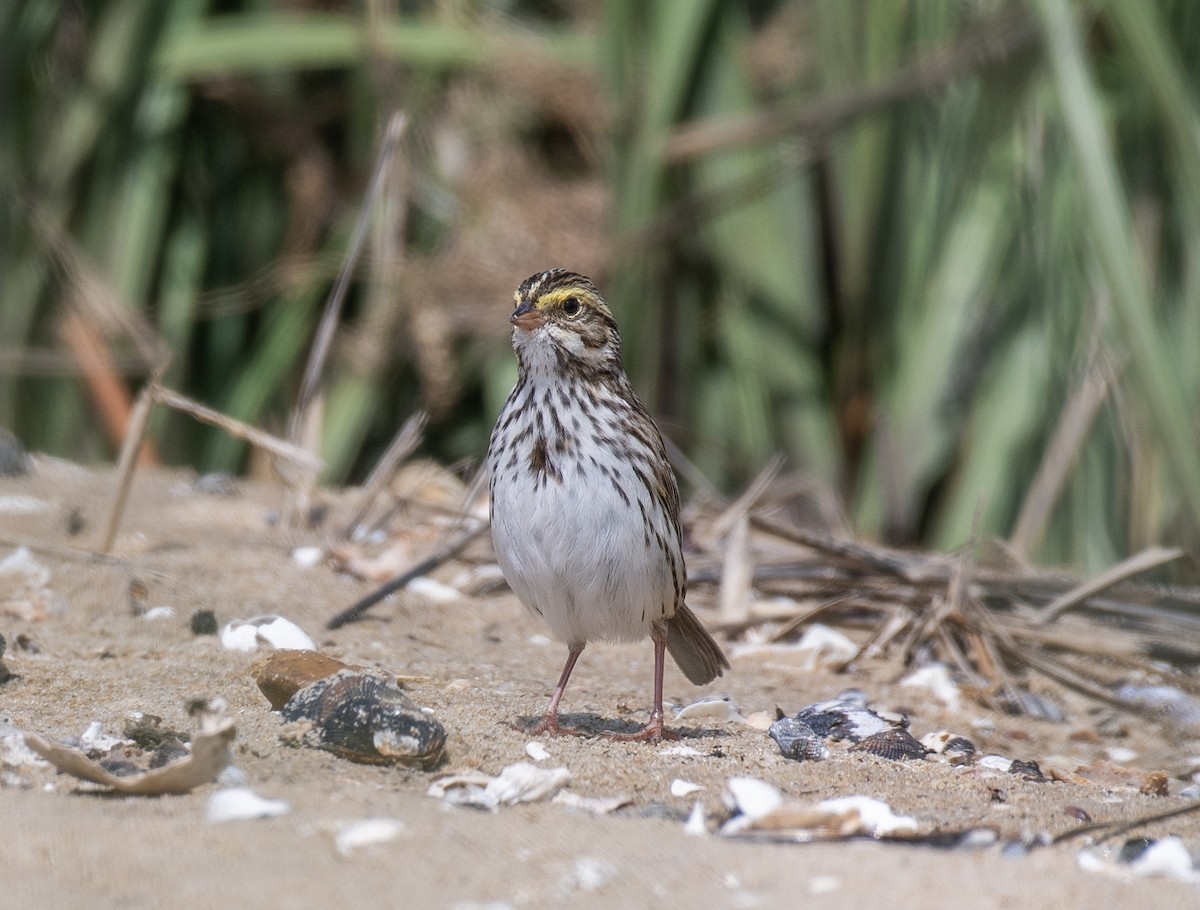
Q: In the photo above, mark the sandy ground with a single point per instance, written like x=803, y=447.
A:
x=483, y=664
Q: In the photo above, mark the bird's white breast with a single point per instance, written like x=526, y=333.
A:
x=576, y=530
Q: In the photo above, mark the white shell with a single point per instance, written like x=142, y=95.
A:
x=714, y=707
x=241, y=803
x=536, y=751
x=307, y=556
x=526, y=783
x=937, y=681
x=754, y=798
x=367, y=833
x=680, y=787
x=272, y=631
x=821, y=647
x=433, y=591
x=875, y=817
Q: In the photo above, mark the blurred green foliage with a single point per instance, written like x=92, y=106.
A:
x=904, y=243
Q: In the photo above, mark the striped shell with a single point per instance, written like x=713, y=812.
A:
x=797, y=740
x=896, y=745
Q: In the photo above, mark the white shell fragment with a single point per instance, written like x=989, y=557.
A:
x=711, y=707
x=433, y=591
x=763, y=813
x=680, y=787
x=307, y=556
x=864, y=815
x=681, y=750
x=954, y=747
x=1167, y=857
x=269, y=631
x=821, y=647
x=94, y=739
x=526, y=783
x=517, y=783
x=754, y=798
x=937, y=681
x=536, y=751
x=25, y=592
x=995, y=763
x=242, y=804
x=595, y=805
x=368, y=832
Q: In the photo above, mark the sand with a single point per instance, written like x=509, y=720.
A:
x=483, y=666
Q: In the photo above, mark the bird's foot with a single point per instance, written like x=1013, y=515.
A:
x=550, y=726
x=654, y=732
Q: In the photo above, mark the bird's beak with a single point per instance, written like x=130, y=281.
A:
x=527, y=317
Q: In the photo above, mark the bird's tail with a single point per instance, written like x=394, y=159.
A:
x=698, y=655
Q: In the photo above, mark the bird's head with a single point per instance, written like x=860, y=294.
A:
x=562, y=324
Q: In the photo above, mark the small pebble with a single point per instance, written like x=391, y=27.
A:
x=204, y=622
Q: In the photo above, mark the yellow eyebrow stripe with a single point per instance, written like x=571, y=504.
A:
x=557, y=297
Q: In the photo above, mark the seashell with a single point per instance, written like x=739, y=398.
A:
x=716, y=707
x=895, y=744
x=797, y=740
x=843, y=719
x=363, y=716
x=596, y=805
x=283, y=673
x=752, y=797
x=272, y=631
x=1028, y=770
x=957, y=749
x=996, y=763
x=242, y=804
x=369, y=832
x=537, y=751
x=525, y=783
x=307, y=556
x=936, y=680
x=821, y=647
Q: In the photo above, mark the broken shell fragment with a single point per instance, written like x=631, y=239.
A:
x=283, y=673
x=958, y=750
x=822, y=647
x=937, y=681
x=242, y=804
x=715, y=707
x=843, y=719
x=896, y=744
x=363, y=716
x=270, y=631
x=797, y=740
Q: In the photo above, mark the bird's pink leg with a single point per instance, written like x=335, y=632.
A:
x=549, y=723
x=654, y=731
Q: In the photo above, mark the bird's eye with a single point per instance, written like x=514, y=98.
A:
x=572, y=306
